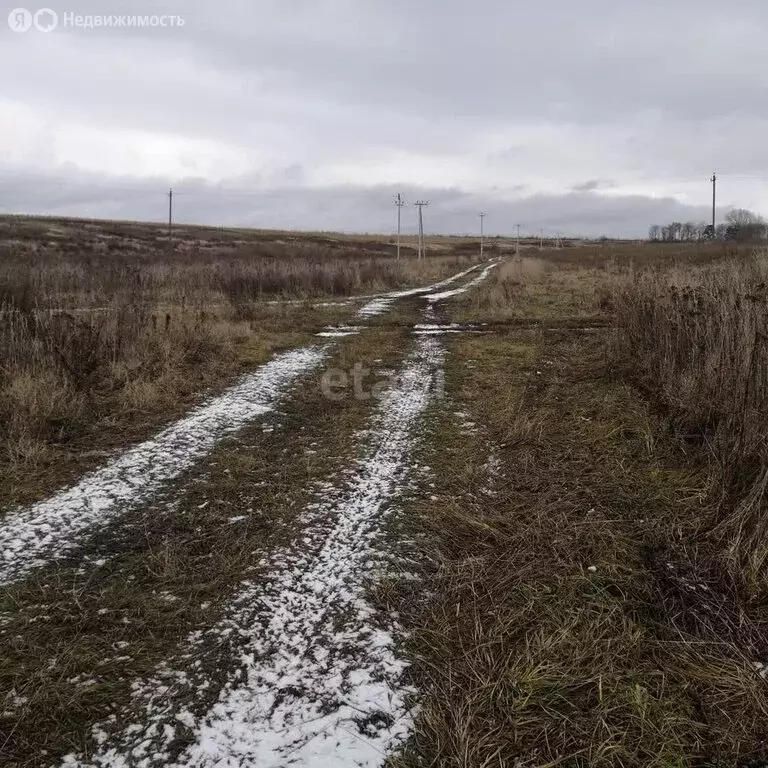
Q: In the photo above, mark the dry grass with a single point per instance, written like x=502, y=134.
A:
x=74, y=265
x=533, y=289
x=695, y=339
x=593, y=579
x=75, y=635
x=568, y=286
x=591, y=551
x=559, y=624
x=75, y=386
x=106, y=331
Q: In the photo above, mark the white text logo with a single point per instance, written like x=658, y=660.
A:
x=46, y=20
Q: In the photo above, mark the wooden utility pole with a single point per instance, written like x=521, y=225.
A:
x=420, y=205
x=170, y=217
x=399, y=203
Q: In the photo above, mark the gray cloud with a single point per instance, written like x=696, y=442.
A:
x=592, y=185
x=595, y=117
x=361, y=209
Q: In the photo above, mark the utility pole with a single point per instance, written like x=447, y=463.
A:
x=170, y=217
x=714, y=201
x=517, y=246
x=541, y=239
x=420, y=205
x=482, y=234
x=399, y=203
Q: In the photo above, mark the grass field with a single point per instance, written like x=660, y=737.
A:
x=594, y=543
x=108, y=331
x=515, y=520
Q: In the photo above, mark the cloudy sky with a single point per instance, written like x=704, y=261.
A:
x=591, y=117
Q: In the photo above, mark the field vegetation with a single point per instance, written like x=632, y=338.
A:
x=596, y=541
x=585, y=516
x=696, y=340
x=107, y=329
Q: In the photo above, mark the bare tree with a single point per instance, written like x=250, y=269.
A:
x=744, y=226
x=740, y=225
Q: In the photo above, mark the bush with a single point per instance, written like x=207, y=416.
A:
x=697, y=339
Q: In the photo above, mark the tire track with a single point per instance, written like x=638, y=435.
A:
x=35, y=536
x=383, y=303
x=318, y=681
x=433, y=297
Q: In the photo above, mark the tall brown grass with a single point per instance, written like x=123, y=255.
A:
x=56, y=278
x=104, y=325
x=697, y=339
x=60, y=373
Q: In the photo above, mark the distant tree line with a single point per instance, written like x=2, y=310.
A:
x=740, y=225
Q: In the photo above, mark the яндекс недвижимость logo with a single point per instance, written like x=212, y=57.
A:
x=22, y=20
x=46, y=20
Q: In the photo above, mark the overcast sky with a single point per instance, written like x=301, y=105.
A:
x=591, y=117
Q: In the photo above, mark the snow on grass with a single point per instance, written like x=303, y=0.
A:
x=52, y=529
x=436, y=331
x=339, y=331
x=318, y=682
x=433, y=297
x=381, y=304
x=34, y=536
x=377, y=306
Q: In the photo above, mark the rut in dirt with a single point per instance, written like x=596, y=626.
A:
x=33, y=537
x=301, y=670
x=318, y=681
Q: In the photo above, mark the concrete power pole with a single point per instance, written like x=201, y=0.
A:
x=482, y=234
x=714, y=202
x=420, y=205
x=399, y=203
x=517, y=246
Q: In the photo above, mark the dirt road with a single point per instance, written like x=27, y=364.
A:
x=277, y=656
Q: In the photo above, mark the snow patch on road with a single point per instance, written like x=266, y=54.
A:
x=382, y=304
x=377, y=307
x=33, y=537
x=339, y=331
x=318, y=683
x=433, y=297
x=436, y=329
